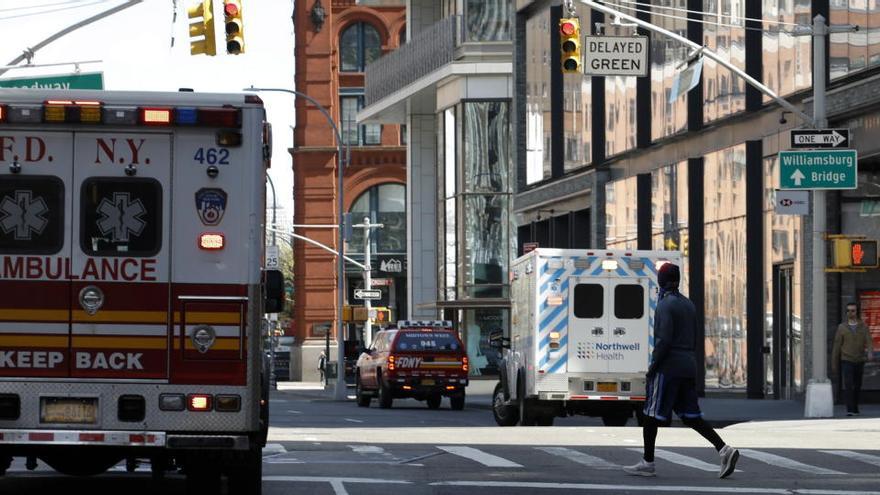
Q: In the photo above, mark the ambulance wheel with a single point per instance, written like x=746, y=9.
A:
x=615, y=420
x=385, y=399
x=505, y=415
x=457, y=403
x=247, y=476
x=363, y=400
x=526, y=414
x=434, y=400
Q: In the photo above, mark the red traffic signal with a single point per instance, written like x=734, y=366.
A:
x=234, y=26
x=570, y=45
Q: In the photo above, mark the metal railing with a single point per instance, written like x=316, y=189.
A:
x=426, y=52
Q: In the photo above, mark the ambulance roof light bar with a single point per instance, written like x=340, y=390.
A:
x=424, y=323
x=95, y=112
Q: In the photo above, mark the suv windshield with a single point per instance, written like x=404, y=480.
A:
x=415, y=340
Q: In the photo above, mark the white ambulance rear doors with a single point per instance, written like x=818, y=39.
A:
x=120, y=255
x=608, y=322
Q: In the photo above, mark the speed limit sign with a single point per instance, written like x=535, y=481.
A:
x=272, y=258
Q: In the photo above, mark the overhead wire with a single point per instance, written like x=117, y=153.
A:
x=53, y=11
x=672, y=16
x=704, y=13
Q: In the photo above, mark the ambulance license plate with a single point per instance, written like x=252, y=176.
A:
x=428, y=381
x=606, y=387
x=75, y=410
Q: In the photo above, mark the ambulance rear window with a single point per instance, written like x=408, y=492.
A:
x=629, y=301
x=589, y=301
x=121, y=217
x=31, y=214
x=427, y=341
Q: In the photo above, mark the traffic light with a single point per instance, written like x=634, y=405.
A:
x=570, y=44
x=234, y=27
x=854, y=253
x=201, y=31
x=863, y=254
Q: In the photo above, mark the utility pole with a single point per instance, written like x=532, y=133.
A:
x=819, y=401
x=368, y=284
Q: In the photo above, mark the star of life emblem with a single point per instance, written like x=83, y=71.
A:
x=121, y=217
x=23, y=215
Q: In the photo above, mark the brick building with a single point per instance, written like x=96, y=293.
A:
x=335, y=39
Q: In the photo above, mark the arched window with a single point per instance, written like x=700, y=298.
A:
x=385, y=204
x=358, y=46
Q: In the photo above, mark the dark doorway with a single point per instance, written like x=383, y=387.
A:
x=784, y=345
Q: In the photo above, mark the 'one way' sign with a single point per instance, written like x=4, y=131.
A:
x=819, y=138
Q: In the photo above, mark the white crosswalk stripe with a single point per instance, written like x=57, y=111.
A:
x=477, y=455
x=858, y=456
x=580, y=457
x=785, y=462
x=684, y=460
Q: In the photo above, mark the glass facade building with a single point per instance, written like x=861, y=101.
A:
x=700, y=174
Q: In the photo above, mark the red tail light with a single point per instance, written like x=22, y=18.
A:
x=391, y=363
x=199, y=402
x=464, y=364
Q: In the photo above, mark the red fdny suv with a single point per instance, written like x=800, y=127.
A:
x=424, y=360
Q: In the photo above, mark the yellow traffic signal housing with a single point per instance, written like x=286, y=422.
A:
x=234, y=27
x=383, y=316
x=201, y=31
x=570, y=45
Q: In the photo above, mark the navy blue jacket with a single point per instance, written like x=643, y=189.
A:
x=675, y=330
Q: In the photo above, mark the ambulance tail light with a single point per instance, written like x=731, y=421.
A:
x=2, y=113
x=391, y=366
x=199, y=402
x=212, y=241
x=554, y=340
x=220, y=117
x=609, y=265
x=464, y=364
x=155, y=116
x=172, y=402
x=228, y=403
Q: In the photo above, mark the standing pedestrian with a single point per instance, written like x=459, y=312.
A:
x=849, y=353
x=671, y=378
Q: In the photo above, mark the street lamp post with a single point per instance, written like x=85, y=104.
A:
x=340, y=392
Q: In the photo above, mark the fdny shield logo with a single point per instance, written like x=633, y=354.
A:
x=211, y=204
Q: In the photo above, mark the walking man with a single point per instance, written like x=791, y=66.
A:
x=849, y=353
x=671, y=384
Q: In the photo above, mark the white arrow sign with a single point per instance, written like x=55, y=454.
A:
x=370, y=294
x=798, y=176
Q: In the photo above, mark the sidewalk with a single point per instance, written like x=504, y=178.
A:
x=720, y=411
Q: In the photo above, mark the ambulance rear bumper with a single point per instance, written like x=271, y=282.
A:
x=146, y=439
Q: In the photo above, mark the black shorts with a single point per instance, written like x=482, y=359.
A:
x=666, y=394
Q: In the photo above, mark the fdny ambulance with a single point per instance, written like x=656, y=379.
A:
x=131, y=255
x=581, y=335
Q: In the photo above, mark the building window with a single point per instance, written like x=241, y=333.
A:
x=621, y=229
x=488, y=20
x=538, y=104
x=385, y=204
x=724, y=33
x=669, y=213
x=358, y=46
x=725, y=259
x=352, y=133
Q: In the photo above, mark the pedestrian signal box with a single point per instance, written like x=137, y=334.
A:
x=855, y=253
x=570, y=45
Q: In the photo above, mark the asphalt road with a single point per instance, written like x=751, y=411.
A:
x=319, y=446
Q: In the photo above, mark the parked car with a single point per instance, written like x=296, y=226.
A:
x=424, y=360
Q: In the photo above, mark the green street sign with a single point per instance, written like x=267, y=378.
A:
x=91, y=80
x=818, y=169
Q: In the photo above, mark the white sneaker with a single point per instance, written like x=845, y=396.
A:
x=643, y=468
x=729, y=456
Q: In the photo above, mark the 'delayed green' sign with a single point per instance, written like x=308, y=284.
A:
x=818, y=169
x=91, y=80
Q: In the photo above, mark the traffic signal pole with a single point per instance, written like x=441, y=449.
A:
x=819, y=401
x=28, y=53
